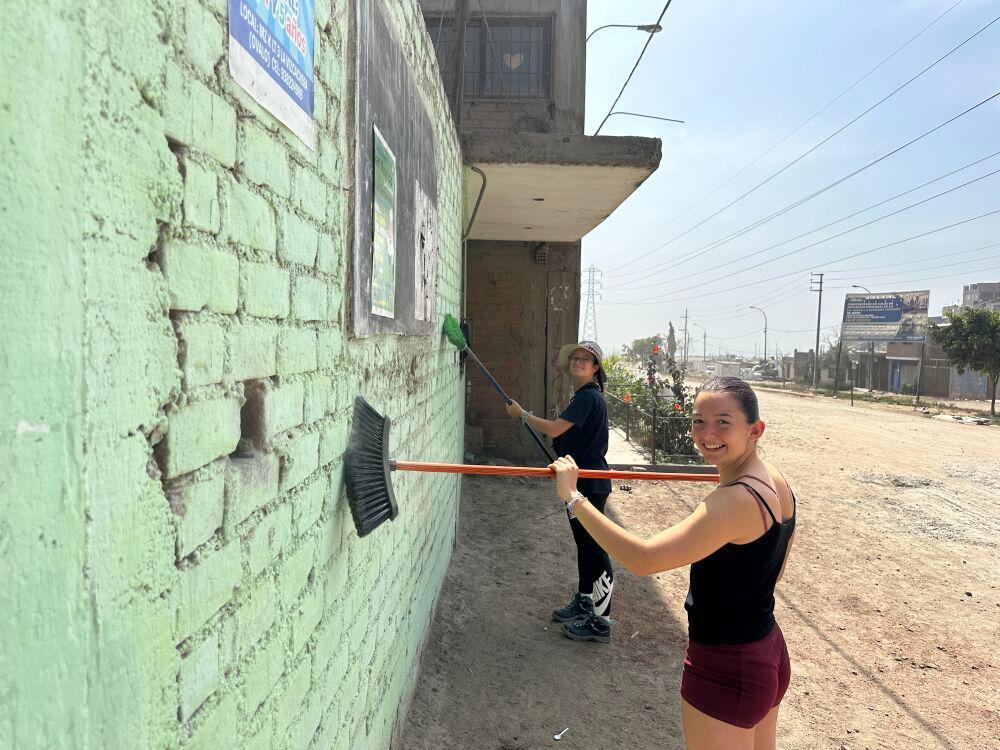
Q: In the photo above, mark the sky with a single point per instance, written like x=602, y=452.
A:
x=743, y=76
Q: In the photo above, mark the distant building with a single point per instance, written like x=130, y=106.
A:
x=983, y=295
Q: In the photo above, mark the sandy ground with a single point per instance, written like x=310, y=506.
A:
x=890, y=605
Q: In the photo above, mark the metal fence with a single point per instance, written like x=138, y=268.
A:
x=647, y=430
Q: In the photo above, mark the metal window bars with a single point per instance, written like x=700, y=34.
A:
x=522, y=56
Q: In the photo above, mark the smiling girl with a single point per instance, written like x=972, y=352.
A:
x=581, y=431
x=736, y=541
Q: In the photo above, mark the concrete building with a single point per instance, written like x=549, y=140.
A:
x=982, y=295
x=535, y=185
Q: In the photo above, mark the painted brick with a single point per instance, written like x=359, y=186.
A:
x=216, y=729
x=299, y=459
x=248, y=218
x=204, y=589
x=262, y=739
x=332, y=245
x=195, y=116
x=251, y=482
x=328, y=641
x=318, y=395
x=330, y=345
x=270, y=410
x=253, y=351
x=308, y=503
x=296, y=351
x=309, y=192
x=337, y=575
x=197, y=434
x=335, y=301
x=294, y=571
x=263, y=671
x=198, y=677
x=265, y=542
x=306, y=617
x=204, y=37
x=202, y=352
x=300, y=240
x=265, y=290
x=244, y=628
x=333, y=440
x=309, y=298
x=264, y=159
x=331, y=150
x=197, y=502
x=201, y=198
x=291, y=699
x=198, y=277
x=303, y=730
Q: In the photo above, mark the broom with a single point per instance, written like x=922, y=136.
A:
x=453, y=332
x=367, y=468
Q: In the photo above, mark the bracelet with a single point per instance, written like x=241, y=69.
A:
x=525, y=414
x=574, y=499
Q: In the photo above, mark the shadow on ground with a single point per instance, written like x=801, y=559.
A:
x=497, y=673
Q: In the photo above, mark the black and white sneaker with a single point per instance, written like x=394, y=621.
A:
x=594, y=628
x=580, y=607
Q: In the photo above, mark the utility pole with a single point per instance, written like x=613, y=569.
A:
x=816, y=285
x=461, y=20
x=685, y=337
x=765, y=328
x=590, y=316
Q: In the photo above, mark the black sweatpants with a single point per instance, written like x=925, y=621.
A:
x=597, y=579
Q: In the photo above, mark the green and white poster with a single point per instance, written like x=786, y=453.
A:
x=384, y=229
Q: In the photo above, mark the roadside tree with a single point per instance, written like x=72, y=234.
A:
x=972, y=342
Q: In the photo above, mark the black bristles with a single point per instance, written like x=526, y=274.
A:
x=366, y=469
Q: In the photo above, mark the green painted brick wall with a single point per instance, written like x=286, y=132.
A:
x=176, y=384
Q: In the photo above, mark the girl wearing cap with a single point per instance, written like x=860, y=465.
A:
x=581, y=431
x=736, y=541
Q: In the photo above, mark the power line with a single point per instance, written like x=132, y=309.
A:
x=660, y=300
x=835, y=183
x=821, y=143
x=801, y=125
x=915, y=260
x=951, y=264
x=840, y=234
x=837, y=221
x=632, y=72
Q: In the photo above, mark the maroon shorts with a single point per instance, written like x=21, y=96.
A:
x=737, y=684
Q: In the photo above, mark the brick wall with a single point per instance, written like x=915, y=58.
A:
x=520, y=312
x=208, y=587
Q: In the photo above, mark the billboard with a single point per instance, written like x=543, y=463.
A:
x=271, y=56
x=895, y=316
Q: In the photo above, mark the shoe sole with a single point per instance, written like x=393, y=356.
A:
x=596, y=638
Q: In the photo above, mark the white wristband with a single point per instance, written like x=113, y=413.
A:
x=574, y=498
x=525, y=414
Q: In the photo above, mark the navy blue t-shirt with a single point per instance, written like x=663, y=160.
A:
x=587, y=440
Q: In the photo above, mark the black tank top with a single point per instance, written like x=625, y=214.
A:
x=731, y=595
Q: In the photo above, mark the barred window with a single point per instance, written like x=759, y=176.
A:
x=520, y=58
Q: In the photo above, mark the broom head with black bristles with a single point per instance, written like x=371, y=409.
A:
x=366, y=469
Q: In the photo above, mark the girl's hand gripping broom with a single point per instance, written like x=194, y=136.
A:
x=367, y=468
x=453, y=332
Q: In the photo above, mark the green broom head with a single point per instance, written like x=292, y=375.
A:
x=366, y=469
x=453, y=332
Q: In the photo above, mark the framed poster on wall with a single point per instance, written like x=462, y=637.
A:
x=383, y=228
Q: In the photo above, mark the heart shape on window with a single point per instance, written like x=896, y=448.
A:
x=513, y=61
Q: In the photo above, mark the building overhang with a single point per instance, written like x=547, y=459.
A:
x=547, y=187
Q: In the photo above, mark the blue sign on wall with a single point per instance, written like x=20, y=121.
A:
x=271, y=56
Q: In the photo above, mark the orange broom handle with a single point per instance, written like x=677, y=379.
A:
x=540, y=471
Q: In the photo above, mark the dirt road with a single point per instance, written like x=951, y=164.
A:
x=890, y=606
